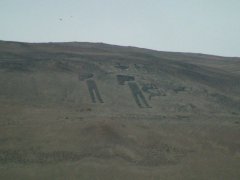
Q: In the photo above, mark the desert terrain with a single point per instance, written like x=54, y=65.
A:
x=94, y=111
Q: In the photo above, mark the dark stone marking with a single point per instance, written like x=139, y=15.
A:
x=152, y=90
x=123, y=78
x=179, y=89
x=93, y=91
x=138, y=95
x=84, y=76
x=122, y=67
x=140, y=67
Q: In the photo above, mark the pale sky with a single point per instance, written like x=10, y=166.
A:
x=201, y=26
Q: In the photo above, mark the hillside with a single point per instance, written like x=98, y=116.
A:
x=98, y=111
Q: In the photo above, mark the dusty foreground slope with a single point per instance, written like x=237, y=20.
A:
x=97, y=111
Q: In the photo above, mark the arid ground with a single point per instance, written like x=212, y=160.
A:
x=94, y=111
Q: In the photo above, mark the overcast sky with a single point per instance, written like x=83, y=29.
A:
x=202, y=26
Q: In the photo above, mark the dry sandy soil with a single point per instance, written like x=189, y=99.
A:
x=98, y=111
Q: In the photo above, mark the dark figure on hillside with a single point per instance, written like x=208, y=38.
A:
x=93, y=91
x=138, y=95
x=124, y=78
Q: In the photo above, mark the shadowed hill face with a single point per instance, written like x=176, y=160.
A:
x=117, y=111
